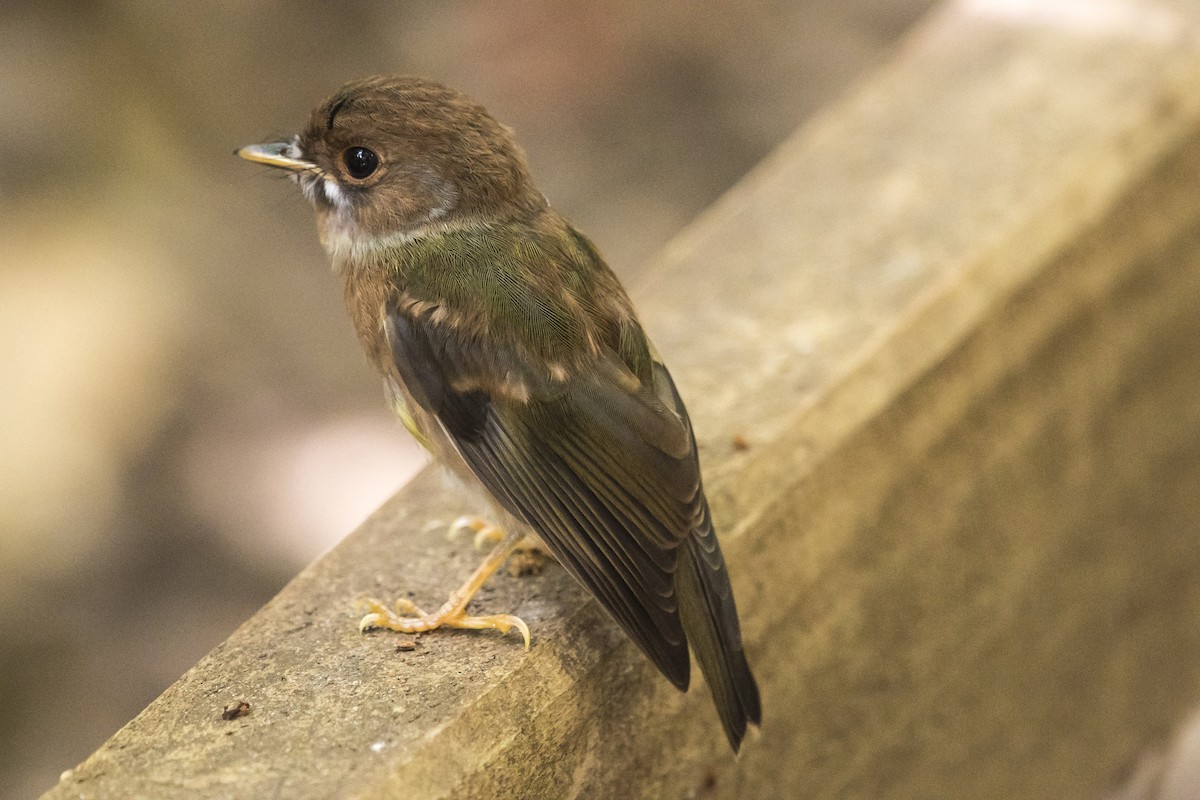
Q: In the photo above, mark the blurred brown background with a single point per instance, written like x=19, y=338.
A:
x=185, y=417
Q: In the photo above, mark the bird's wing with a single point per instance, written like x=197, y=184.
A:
x=601, y=465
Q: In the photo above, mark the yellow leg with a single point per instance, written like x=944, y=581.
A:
x=407, y=618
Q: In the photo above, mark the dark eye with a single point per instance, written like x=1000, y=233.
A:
x=360, y=162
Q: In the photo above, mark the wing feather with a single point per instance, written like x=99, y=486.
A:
x=599, y=465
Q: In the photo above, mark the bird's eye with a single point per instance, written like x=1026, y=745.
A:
x=360, y=162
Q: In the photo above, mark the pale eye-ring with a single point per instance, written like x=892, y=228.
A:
x=360, y=162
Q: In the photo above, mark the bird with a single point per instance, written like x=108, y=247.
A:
x=510, y=350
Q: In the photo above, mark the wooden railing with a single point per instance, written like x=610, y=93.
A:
x=942, y=352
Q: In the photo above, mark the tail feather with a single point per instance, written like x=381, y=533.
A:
x=711, y=623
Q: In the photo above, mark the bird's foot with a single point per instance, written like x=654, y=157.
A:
x=408, y=618
x=529, y=555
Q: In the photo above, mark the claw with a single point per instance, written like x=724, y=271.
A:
x=377, y=612
x=486, y=536
x=519, y=624
x=466, y=523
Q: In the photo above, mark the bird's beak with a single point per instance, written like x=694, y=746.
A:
x=276, y=154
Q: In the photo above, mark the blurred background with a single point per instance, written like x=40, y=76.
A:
x=186, y=419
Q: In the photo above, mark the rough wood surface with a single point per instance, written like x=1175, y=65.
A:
x=942, y=351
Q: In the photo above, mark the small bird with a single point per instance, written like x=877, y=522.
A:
x=511, y=352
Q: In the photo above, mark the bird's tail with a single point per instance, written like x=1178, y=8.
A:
x=711, y=623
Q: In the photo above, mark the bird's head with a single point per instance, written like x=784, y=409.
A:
x=398, y=156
